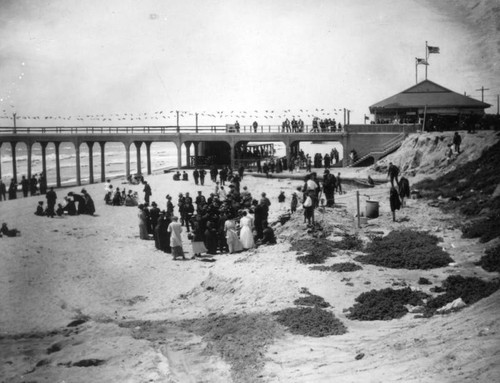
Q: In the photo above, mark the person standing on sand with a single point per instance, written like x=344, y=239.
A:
x=25, y=186
x=143, y=227
x=147, y=192
x=233, y=242
x=175, y=230
x=12, y=189
x=404, y=190
x=3, y=191
x=89, y=207
x=394, y=202
x=33, y=185
x=196, y=176
x=339, y=184
x=457, y=140
x=51, y=197
x=202, y=172
x=393, y=173
x=246, y=236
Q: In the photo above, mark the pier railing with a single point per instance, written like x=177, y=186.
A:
x=209, y=129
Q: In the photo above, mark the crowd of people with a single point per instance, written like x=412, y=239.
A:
x=226, y=221
x=36, y=185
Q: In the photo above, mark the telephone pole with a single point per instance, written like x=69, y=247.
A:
x=482, y=92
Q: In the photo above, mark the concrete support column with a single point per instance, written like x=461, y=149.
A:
x=138, y=150
x=195, y=153
x=78, y=170
x=29, y=145
x=58, y=165
x=148, y=155
x=188, y=153
x=14, y=161
x=44, y=158
x=179, y=159
x=346, y=150
x=90, y=144
x=288, y=152
x=103, y=162
x=127, y=159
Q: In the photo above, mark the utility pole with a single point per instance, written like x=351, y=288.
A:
x=482, y=92
x=14, y=118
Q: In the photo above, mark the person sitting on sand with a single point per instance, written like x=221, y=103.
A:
x=185, y=176
x=60, y=210
x=175, y=230
x=268, y=237
x=131, y=199
x=177, y=176
x=39, y=209
x=9, y=232
x=281, y=197
x=89, y=207
x=70, y=205
x=117, y=198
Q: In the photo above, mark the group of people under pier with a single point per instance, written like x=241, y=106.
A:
x=36, y=185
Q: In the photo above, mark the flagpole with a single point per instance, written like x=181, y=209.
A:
x=416, y=71
x=426, y=59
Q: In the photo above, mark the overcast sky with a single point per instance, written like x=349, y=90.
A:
x=111, y=57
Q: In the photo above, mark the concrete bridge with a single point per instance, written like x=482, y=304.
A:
x=369, y=141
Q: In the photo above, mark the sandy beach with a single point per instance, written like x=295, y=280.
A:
x=96, y=269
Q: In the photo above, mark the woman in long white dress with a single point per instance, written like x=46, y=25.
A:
x=233, y=242
x=246, y=235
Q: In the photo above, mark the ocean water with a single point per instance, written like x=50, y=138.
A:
x=163, y=156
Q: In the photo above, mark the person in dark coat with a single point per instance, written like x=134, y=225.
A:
x=404, y=190
x=33, y=185
x=42, y=182
x=393, y=173
x=51, y=197
x=394, y=201
x=202, y=172
x=3, y=191
x=154, y=216
x=70, y=205
x=12, y=189
x=260, y=214
x=9, y=232
x=39, y=209
x=162, y=236
x=78, y=198
x=25, y=186
x=147, y=192
x=211, y=238
x=196, y=176
x=329, y=185
x=89, y=207
x=457, y=140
